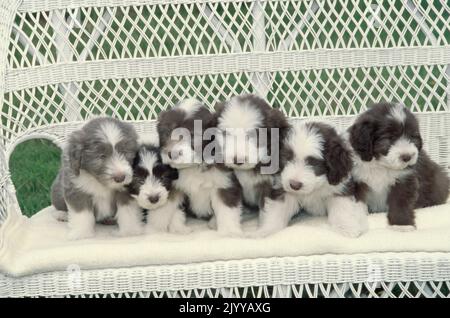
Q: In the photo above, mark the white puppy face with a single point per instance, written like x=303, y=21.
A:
x=250, y=132
x=239, y=123
x=180, y=131
x=179, y=152
x=304, y=170
x=152, y=180
x=105, y=149
x=401, y=154
x=314, y=156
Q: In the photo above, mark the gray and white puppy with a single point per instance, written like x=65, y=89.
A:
x=96, y=166
x=389, y=163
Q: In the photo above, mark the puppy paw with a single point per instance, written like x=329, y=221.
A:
x=131, y=230
x=61, y=216
x=348, y=217
x=179, y=229
x=212, y=223
x=81, y=233
x=403, y=228
x=350, y=231
x=259, y=234
x=231, y=232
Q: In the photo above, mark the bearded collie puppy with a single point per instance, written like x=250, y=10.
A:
x=252, y=133
x=391, y=164
x=315, y=177
x=152, y=189
x=91, y=184
x=211, y=190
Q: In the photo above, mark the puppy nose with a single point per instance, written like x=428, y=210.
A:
x=119, y=178
x=406, y=157
x=295, y=185
x=153, y=198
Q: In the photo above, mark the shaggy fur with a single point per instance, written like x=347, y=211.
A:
x=250, y=128
x=390, y=162
x=152, y=189
x=210, y=188
x=315, y=176
x=96, y=167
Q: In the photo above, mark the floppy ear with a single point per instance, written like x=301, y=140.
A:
x=171, y=173
x=338, y=160
x=361, y=138
x=75, y=150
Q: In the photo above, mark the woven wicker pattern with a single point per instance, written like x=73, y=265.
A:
x=63, y=61
x=313, y=276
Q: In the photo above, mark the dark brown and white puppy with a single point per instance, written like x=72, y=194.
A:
x=316, y=166
x=152, y=188
x=251, y=136
x=211, y=189
x=96, y=167
x=390, y=161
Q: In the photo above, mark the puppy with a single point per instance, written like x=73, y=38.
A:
x=96, y=167
x=251, y=135
x=152, y=188
x=210, y=189
x=315, y=176
x=390, y=163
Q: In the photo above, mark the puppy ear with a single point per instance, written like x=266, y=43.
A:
x=338, y=160
x=75, y=150
x=361, y=138
x=276, y=119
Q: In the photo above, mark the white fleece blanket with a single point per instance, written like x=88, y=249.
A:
x=39, y=244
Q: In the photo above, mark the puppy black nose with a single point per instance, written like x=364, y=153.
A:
x=295, y=185
x=405, y=157
x=153, y=198
x=119, y=178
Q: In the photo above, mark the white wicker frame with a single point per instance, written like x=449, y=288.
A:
x=62, y=61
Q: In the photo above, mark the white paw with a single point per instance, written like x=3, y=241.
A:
x=212, y=223
x=231, y=232
x=350, y=231
x=259, y=234
x=179, y=229
x=61, y=216
x=131, y=230
x=80, y=233
x=403, y=228
x=348, y=217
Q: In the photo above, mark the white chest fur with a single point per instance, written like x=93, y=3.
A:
x=248, y=180
x=315, y=203
x=199, y=185
x=379, y=179
x=102, y=197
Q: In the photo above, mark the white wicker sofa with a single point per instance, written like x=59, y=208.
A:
x=62, y=61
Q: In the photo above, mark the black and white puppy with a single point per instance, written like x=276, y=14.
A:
x=390, y=162
x=152, y=188
x=96, y=167
x=252, y=133
x=316, y=166
x=211, y=189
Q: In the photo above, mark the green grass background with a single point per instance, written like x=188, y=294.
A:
x=34, y=164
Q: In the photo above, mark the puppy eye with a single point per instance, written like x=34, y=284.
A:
x=312, y=161
x=158, y=170
x=140, y=172
x=102, y=156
